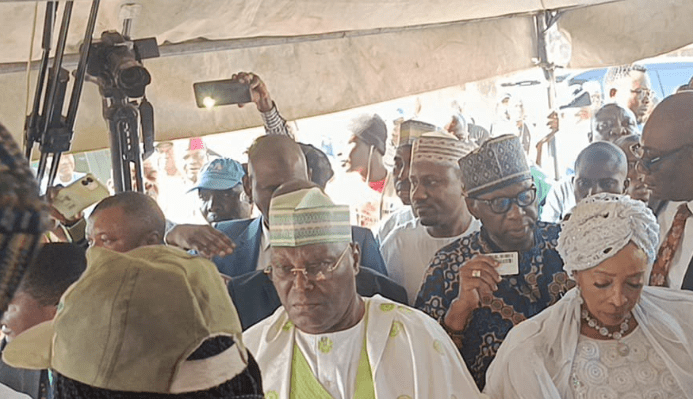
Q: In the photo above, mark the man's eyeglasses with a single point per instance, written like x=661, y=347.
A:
x=502, y=204
x=319, y=271
x=647, y=164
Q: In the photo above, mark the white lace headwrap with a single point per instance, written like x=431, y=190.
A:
x=601, y=225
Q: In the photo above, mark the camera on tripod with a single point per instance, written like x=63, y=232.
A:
x=116, y=61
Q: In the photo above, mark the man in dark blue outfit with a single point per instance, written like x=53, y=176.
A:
x=476, y=301
x=273, y=161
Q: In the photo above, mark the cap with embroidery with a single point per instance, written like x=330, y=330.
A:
x=410, y=130
x=131, y=322
x=23, y=217
x=439, y=147
x=306, y=217
x=498, y=163
x=220, y=174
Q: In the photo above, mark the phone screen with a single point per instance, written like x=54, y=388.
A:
x=221, y=92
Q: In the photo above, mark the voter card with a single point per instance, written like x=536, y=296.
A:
x=509, y=263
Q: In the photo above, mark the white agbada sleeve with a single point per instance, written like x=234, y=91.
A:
x=535, y=360
x=8, y=393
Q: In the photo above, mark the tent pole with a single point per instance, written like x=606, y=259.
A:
x=543, y=21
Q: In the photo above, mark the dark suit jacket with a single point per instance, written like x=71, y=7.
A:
x=247, y=234
x=255, y=297
x=21, y=380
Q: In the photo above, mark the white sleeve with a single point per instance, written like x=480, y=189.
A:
x=8, y=393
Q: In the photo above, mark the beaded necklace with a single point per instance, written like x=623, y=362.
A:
x=622, y=348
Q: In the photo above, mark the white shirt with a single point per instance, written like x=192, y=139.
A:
x=559, y=201
x=683, y=255
x=408, y=250
x=263, y=257
x=334, y=358
x=399, y=217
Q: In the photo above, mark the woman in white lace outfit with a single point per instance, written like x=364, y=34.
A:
x=610, y=337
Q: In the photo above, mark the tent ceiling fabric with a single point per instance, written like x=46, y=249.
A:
x=453, y=43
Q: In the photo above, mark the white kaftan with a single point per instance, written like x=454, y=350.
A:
x=410, y=355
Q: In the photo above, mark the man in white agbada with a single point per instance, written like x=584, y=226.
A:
x=409, y=131
x=328, y=342
x=612, y=337
x=437, y=198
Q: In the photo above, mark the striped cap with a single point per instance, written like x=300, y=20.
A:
x=306, y=217
x=439, y=147
x=410, y=131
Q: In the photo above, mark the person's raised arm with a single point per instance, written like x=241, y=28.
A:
x=260, y=96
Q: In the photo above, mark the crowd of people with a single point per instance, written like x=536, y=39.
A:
x=464, y=275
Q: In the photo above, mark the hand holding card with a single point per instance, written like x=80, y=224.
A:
x=509, y=263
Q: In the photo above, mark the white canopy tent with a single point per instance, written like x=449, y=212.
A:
x=319, y=57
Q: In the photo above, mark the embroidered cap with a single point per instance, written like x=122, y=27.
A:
x=410, y=131
x=439, y=147
x=307, y=216
x=132, y=320
x=220, y=174
x=498, y=163
x=23, y=217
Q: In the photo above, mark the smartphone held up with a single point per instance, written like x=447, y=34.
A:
x=221, y=92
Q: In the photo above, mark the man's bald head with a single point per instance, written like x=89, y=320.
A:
x=125, y=221
x=272, y=161
x=667, y=149
x=671, y=124
x=281, y=149
x=601, y=167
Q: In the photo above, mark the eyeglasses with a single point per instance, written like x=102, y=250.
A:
x=647, y=164
x=319, y=271
x=502, y=204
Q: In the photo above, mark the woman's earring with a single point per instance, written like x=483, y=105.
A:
x=579, y=294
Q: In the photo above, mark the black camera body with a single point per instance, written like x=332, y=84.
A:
x=116, y=62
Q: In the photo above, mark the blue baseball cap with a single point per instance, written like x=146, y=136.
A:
x=220, y=174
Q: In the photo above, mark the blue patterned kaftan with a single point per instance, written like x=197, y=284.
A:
x=540, y=283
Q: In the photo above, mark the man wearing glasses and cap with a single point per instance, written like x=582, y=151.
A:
x=326, y=340
x=665, y=157
x=483, y=284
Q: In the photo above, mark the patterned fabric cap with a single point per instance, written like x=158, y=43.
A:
x=601, y=225
x=23, y=217
x=498, y=163
x=306, y=217
x=410, y=131
x=439, y=147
